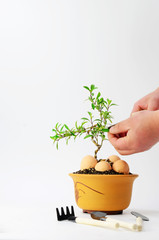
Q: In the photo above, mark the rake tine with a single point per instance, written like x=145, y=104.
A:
x=62, y=212
x=72, y=211
x=68, y=212
x=58, y=214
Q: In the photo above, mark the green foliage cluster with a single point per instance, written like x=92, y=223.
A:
x=91, y=127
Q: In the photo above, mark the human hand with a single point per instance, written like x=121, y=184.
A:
x=149, y=102
x=135, y=134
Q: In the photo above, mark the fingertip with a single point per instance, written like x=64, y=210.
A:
x=112, y=138
x=111, y=130
x=119, y=143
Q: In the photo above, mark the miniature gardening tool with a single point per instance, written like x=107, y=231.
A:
x=139, y=219
x=70, y=215
x=102, y=216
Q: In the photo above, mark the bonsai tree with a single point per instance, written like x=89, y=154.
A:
x=94, y=126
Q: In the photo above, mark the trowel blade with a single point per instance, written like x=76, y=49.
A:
x=98, y=215
x=136, y=214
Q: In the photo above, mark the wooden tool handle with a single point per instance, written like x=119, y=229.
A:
x=130, y=226
x=113, y=225
x=139, y=223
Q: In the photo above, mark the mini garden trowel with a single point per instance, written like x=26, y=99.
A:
x=139, y=219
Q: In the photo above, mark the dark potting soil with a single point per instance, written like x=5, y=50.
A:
x=93, y=171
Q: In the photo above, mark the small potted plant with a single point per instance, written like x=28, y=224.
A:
x=100, y=184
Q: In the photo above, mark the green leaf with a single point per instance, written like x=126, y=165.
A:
x=98, y=95
x=57, y=145
x=105, y=130
x=62, y=128
x=103, y=137
x=113, y=104
x=110, y=120
x=86, y=88
x=85, y=119
x=53, y=130
x=93, y=87
x=66, y=127
x=93, y=106
x=76, y=125
x=99, y=124
x=97, y=120
x=109, y=101
x=75, y=137
x=83, y=123
x=90, y=114
x=55, y=137
x=67, y=139
x=87, y=136
x=105, y=114
x=101, y=100
x=72, y=133
x=81, y=134
x=98, y=107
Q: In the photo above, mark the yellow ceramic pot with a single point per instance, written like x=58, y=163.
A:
x=109, y=193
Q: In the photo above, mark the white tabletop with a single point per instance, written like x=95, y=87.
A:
x=41, y=223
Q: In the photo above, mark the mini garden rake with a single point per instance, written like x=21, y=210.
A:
x=70, y=215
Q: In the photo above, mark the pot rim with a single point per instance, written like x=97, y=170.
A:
x=103, y=175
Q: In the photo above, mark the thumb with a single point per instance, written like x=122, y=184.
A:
x=120, y=127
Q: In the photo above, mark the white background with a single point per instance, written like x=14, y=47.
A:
x=48, y=51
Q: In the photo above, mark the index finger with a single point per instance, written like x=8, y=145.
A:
x=119, y=143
